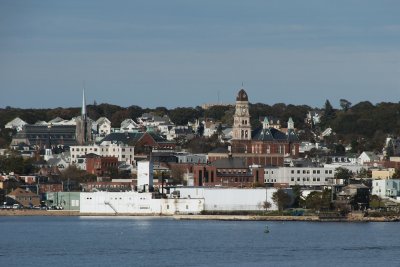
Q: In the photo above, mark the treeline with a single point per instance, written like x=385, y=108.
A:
x=363, y=125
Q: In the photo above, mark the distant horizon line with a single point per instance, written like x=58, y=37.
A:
x=199, y=105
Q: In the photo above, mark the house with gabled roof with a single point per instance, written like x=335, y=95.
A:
x=103, y=126
x=16, y=124
x=368, y=157
x=24, y=198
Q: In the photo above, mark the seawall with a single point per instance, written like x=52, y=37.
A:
x=27, y=212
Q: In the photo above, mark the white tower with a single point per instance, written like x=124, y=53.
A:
x=241, y=123
x=144, y=175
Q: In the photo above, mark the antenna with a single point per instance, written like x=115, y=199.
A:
x=242, y=85
x=218, y=97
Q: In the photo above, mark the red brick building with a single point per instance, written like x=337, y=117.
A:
x=100, y=166
x=231, y=172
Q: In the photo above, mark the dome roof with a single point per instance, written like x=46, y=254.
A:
x=242, y=96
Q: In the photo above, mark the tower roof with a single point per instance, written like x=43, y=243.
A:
x=242, y=96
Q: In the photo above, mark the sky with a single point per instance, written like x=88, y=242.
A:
x=180, y=53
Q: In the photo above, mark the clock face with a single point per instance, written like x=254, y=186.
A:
x=244, y=110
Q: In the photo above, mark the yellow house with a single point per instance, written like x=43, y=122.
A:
x=383, y=173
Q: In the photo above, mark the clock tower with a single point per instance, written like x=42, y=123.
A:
x=241, y=119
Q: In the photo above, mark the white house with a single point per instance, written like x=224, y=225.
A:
x=129, y=126
x=386, y=188
x=367, y=157
x=103, y=126
x=16, y=124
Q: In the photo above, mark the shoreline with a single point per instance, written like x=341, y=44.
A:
x=350, y=218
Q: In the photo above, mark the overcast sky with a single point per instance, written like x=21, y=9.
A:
x=185, y=53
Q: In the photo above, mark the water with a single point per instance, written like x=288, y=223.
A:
x=152, y=241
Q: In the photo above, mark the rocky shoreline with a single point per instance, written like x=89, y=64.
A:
x=350, y=218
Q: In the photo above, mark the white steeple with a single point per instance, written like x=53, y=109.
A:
x=83, y=104
x=266, y=123
x=290, y=124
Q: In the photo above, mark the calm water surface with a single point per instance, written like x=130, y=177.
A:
x=150, y=241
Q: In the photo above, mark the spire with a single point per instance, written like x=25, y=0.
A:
x=265, y=123
x=83, y=105
x=290, y=124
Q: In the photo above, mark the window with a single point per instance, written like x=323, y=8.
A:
x=292, y=171
x=292, y=179
x=298, y=171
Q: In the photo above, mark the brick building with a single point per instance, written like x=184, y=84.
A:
x=100, y=166
x=230, y=172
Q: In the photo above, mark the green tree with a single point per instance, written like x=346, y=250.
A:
x=297, y=196
x=343, y=174
x=281, y=199
x=344, y=104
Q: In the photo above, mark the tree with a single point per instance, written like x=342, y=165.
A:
x=376, y=202
x=396, y=174
x=200, y=129
x=318, y=200
x=267, y=205
x=329, y=114
x=314, y=200
x=177, y=174
x=281, y=199
x=344, y=104
x=297, y=196
x=343, y=174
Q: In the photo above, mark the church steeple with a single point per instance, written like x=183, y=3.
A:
x=83, y=124
x=83, y=112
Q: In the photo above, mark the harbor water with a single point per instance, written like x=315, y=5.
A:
x=163, y=241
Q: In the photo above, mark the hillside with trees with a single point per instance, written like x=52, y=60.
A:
x=364, y=125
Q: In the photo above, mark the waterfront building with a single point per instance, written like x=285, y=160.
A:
x=24, y=198
x=137, y=203
x=63, y=200
x=230, y=199
x=389, y=188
